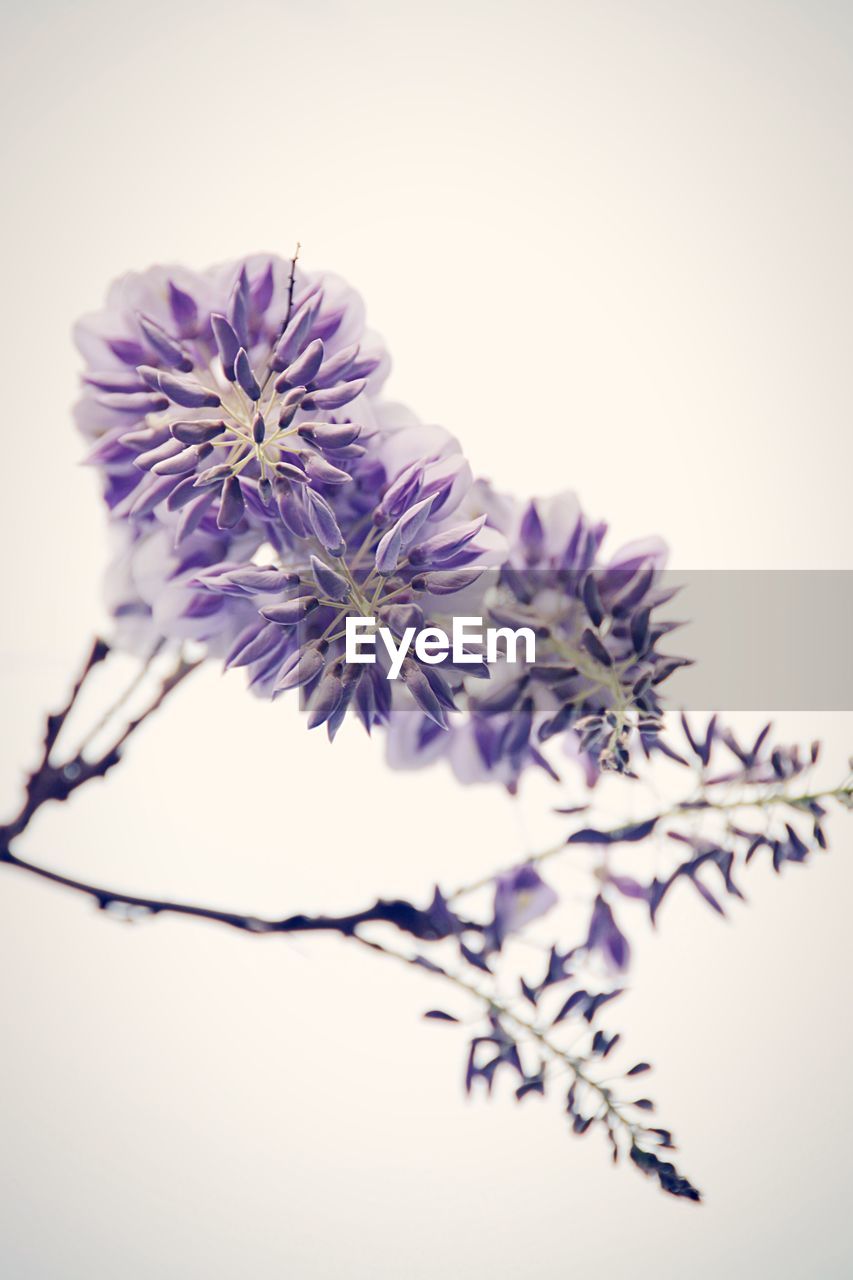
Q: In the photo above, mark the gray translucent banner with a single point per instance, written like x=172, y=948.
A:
x=762, y=640
x=756, y=640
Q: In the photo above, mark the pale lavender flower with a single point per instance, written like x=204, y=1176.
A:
x=521, y=896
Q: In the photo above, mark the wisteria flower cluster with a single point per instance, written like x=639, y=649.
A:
x=261, y=493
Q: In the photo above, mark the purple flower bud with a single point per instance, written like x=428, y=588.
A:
x=443, y=546
x=388, y=551
x=192, y=515
x=227, y=343
x=327, y=325
x=324, y=472
x=363, y=367
x=605, y=937
x=629, y=888
x=260, y=579
x=202, y=606
x=167, y=349
x=413, y=520
x=440, y=687
x=246, y=636
x=444, y=582
x=303, y=368
x=464, y=556
x=182, y=462
x=185, y=492
x=116, y=380
x=110, y=450
x=260, y=294
x=347, y=453
x=325, y=700
x=169, y=449
x=330, y=435
x=595, y=648
x=150, y=376
x=290, y=406
x=289, y=471
x=231, y=504
x=259, y=429
x=400, y=492
x=334, y=397
x=295, y=335
x=591, y=597
x=126, y=351
x=640, y=630
x=336, y=366
x=332, y=584
x=634, y=593
x=188, y=392
x=365, y=700
x=151, y=496
x=304, y=667
x=292, y=515
x=238, y=308
x=213, y=475
x=145, y=437
x=245, y=376
x=290, y=612
x=139, y=403
x=531, y=532
x=323, y=522
x=442, y=479
x=184, y=311
x=421, y=690
x=258, y=647
x=197, y=432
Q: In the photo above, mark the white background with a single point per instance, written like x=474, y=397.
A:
x=609, y=246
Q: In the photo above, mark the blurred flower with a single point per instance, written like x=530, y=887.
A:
x=521, y=895
x=606, y=938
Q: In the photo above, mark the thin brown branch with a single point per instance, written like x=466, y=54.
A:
x=291, y=285
x=423, y=924
x=57, y=781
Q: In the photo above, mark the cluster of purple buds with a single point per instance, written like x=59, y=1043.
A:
x=218, y=399
x=410, y=560
x=598, y=663
x=594, y=682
